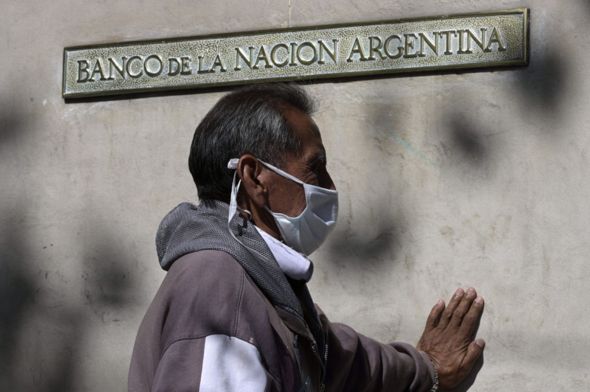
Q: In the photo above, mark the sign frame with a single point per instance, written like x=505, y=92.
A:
x=71, y=93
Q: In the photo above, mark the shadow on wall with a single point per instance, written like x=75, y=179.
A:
x=543, y=84
x=469, y=147
x=468, y=141
x=587, y=4
x=17, y=293
x=109, y=285
x=12, y=122
x=382, y=222
x=21, y=304
x=42, y=340
x=542, y=87
x=43, y=324
x=18, y=284
x=351, y=247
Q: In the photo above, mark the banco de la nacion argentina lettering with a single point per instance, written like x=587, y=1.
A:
x=475, y=41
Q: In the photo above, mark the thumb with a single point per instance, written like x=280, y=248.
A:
x=474, y=351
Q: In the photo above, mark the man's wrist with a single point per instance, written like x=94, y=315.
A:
x=435, y=380
x=433, y=371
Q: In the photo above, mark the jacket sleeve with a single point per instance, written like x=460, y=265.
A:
x=361, y=364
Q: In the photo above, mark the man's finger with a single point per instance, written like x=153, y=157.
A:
x=448, y=312
x=463, y=307
x=470, y=323
x=435, y=313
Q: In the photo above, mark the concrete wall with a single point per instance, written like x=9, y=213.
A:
x=446, y=180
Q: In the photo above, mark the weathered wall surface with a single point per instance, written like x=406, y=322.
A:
x=446, y=180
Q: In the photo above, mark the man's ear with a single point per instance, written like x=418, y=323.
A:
x=254, y=189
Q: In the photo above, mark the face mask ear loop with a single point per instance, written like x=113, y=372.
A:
x=282, y=173
x=233, y=207
x=233, y=203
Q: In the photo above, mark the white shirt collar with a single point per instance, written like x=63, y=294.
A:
x=292, y=263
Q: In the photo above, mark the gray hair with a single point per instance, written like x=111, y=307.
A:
x=246, y=121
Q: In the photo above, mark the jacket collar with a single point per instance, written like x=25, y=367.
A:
x=190, y=228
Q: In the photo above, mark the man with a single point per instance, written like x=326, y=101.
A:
x=234, y=312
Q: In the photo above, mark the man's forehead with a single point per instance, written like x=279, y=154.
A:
x=302, y=123
x=311, y=142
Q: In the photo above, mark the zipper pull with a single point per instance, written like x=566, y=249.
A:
x=314, y=348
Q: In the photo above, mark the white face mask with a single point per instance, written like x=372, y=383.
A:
x=307, y=231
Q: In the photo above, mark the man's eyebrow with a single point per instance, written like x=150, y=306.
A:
x=318, y=157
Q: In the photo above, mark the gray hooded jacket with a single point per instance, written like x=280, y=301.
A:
x=226, y=318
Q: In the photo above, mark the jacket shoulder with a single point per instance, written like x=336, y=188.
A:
x=208, y=292
x=204, y=270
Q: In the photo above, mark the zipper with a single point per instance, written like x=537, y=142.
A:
x=305, y=380
x=323, y=362
x=324, y=358
x=323, y=383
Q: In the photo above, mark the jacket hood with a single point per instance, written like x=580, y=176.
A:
x=190, y=228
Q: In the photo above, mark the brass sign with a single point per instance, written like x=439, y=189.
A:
x=438, y=43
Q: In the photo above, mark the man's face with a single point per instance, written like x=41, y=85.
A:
x=284, y=195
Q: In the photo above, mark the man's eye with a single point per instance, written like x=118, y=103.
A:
x=318, y=165
x=321, y=176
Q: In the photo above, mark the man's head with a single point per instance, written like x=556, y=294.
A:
x=247, y=121
x=265, y=123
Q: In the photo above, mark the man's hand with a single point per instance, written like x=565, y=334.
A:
x=449, y=335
